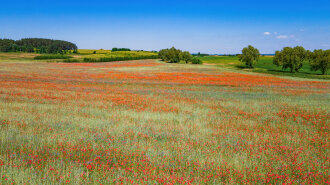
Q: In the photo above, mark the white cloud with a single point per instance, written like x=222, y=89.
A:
x=267, y=33
x=282, y=37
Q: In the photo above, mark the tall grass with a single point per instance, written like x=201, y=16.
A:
x=144, y=122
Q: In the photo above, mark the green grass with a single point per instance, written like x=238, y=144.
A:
x=264, y=65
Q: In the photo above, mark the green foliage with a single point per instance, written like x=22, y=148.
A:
x=121, y=49
x=186, y=56
x=71, y=61
x=94, y=52
x=291, y=58
x=5, y=45
x=249, y=56
x=319, y=60
x=45, y=57
x=163, y=54
x=196, y=60
x=37, y=45
x=174, y=55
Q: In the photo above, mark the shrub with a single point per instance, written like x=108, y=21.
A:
x=90, y=60
x=196, y=61
x=71, y=61
x=45, y=57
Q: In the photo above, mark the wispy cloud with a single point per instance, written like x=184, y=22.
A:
x=282, y=37
x=267, y=33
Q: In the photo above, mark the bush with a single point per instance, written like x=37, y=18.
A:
x=45, y=57
x=196, y=61
x=90, y=60
x=174, y=55
x=71, y=61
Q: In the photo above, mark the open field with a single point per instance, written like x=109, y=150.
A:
x=82, y=54
x=149, y=122
x=265, y=65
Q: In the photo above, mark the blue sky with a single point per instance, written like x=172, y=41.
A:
x=206, y=26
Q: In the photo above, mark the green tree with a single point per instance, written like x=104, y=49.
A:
x=186, y=56
x=174, y=55
x=5, y=45
x=163, y=54
x=249, y=56
x=319, y=60
x=30, y=49
x=290, y=58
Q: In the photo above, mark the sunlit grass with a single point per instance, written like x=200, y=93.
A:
x=149, y=122
x=264, y=65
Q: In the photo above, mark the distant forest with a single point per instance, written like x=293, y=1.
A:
x=37, y=45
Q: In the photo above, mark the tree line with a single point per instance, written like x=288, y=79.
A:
x=37, y=45
x=290, y=58
x=174, y=55
x=121, y=49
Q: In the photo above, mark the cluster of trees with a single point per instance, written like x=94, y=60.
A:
x=174, y=55
x=290, y=58
x=121, y=49
x=37, y=45
x=293, y=59
x=8, y=45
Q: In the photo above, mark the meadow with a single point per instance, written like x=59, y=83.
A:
x=150, y=122
x=264, y=65
x=83, y=55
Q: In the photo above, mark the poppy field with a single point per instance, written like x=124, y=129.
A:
x=150, y=122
